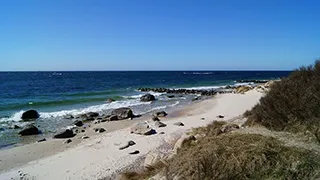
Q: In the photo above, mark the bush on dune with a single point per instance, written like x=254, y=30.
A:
x=293, y=104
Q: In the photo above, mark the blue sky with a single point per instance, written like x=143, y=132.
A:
x=158, y=34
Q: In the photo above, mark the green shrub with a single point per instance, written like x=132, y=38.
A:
x=292, y=104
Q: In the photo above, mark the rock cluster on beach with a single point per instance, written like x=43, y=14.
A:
x=180, y=91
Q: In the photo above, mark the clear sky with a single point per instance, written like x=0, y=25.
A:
x=158, y=34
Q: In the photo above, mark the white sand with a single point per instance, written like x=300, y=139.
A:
x=100, y=156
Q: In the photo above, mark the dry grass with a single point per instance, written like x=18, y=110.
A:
x=292, y=104
x=235, y=156
x=243, y=156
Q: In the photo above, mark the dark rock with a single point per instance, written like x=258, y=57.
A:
x=42, y=140
x=113, y=118
x=220, y=116
x=147, y=98
x=160, y=114
x=155, y=119
x=83, y=130
x=161, y=133
x=170, y=96
x=67, y=141
x=89, y=119
x=64, y=134
x=78, y=123
x=123, y=113
x=99, y=130
x=129, y=143
x=134, y=152
x=203, y=118
x=29, y=130
x=30, y=114
x=178, y=124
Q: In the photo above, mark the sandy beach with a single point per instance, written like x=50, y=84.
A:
x=99, y=156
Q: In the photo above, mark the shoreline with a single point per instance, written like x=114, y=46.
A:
x=99, y=156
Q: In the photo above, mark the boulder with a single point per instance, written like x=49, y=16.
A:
x=172, y=138
x=155, y=119
x=147, y=98
x=30, y=114
x=68, y=133
x=113, y=118
x=170, y=96
x=159, y=124
x=183, y=141
x=142, y=128
x=29, y=130
x=123, y=113
x=160, y=114
x=78, y=123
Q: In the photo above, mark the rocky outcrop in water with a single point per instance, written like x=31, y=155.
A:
x=253, y=81
x=29, y=130
x=147, y=98
x=30, y=115
x=180, y=91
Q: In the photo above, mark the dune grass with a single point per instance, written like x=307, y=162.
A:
x=293, y=104
x=235, y=156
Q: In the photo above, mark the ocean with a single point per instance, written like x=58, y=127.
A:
x=56, y=94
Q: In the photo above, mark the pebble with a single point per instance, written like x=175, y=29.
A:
x=134, y=152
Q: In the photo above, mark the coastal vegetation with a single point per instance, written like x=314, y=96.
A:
x=269, y=146
x=292, y=104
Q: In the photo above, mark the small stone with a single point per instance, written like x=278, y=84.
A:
x=83, y=130
x=178, y=124
x=130, y=143
x=134, y=152
x=203, y=118
x=220, y=116
x=85, y=137
x=161, y=133
x=42, y=140
x=99, y=130
x=67, y=141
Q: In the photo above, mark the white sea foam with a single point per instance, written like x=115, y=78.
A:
x=205, y=87
x=97, y=108
x=161, y=107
